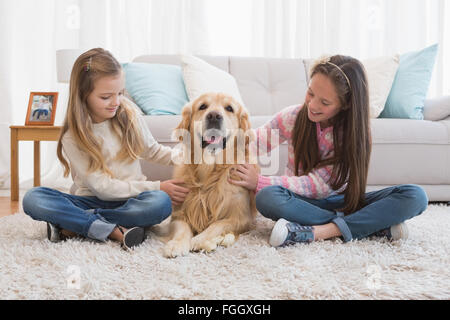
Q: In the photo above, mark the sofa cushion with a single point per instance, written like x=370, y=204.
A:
x=380, y=76
x=406, y=131
x=410, y=87
x=161, y=127
x=269, y=85
x=437, y=109
x=201, y=77
x=156, y=88
x=409, y=151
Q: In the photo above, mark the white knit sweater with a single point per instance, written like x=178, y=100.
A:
x=128, y=181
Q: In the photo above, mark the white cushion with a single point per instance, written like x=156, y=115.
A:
x=201, y=77
x=437, y=109
x=380, y=73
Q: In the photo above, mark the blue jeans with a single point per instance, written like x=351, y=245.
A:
x=384, y=208
x=94, y=218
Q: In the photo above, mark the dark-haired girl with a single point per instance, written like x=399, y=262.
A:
x=322, y=194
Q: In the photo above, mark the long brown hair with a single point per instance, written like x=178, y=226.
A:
x=351, y=132
x=87, y=69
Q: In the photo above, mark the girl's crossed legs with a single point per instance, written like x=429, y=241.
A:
x=94, y=218
x=384, y=209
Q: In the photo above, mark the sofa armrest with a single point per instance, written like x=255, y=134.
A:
x=437, y=108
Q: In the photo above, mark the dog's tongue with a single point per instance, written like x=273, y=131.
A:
x=214, y=139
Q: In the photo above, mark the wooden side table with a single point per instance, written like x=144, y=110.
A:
x=29, y=133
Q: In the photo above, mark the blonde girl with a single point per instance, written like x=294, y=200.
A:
x=102, y=141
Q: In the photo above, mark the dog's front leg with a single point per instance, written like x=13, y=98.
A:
x=218, y=233
x=181, y=239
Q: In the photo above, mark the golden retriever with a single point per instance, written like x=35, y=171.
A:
x=215, y=135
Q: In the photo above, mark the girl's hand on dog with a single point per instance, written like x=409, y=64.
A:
x=249, y=176
x=176, y=193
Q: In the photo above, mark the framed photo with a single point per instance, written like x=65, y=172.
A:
x=41, y=109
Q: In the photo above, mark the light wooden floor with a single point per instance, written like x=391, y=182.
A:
x=8, y=207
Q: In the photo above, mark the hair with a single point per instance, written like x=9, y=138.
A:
x=351, y=132
x=87, y=69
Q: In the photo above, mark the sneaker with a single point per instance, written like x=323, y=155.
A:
x=132, y=237
x=53, y=233
x=287, y=233
x=394, y=233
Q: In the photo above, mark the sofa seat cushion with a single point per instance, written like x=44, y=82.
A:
x=406, y=131
x=410, y=151
x=161, y=127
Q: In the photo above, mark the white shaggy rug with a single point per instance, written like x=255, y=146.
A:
x=419, y=268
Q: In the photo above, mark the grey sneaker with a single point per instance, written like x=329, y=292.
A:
x=53, y=233
x=132, y=237
x=286, y=233
x=394, y=233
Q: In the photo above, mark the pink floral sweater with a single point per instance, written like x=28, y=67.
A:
x=315, y=185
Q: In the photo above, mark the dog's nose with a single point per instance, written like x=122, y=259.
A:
x=214, y=116
x=214, y=120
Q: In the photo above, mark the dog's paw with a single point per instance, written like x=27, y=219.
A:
x=228, y=240
x=198, y=243
x=176, y=248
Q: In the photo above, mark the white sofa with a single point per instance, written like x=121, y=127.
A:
x=404, y=151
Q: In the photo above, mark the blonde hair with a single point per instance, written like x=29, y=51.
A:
x=88, y=68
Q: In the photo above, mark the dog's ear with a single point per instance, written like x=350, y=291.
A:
x=186, y=114
x=249, y=135
x=185, y=124
x=244, y=124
